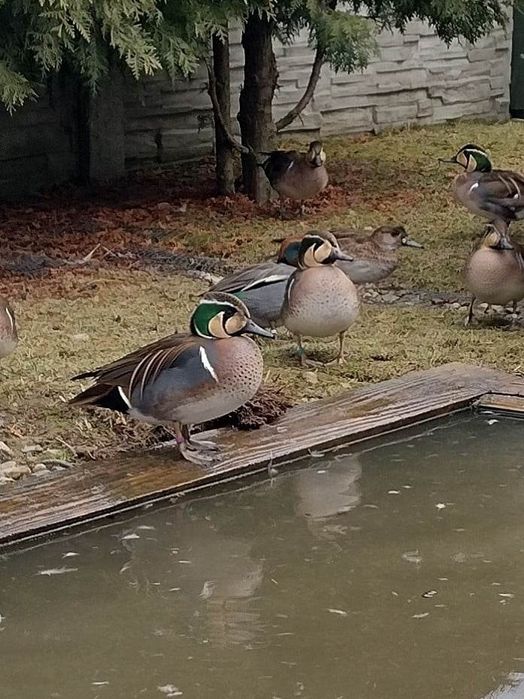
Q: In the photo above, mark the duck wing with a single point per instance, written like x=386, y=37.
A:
x=254, y=277
x=278, y=162
x=134, y=370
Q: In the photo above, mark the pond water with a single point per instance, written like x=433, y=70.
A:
x=395, y=572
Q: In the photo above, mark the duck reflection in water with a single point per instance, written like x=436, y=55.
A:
x=212, y=574
x=328, y=490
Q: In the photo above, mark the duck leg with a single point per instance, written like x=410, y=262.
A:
x=203, y=444
x=340, y=358
x=189, y=451
x=469, y=317
x=304, y=361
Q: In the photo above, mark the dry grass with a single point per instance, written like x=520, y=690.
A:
x=90, y=318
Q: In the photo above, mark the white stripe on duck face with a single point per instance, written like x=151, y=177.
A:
x=207, y=364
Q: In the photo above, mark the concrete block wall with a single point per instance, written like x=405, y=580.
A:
x=414, y=79
x=38, y=144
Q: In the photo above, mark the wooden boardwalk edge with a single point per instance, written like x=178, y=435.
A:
x=91, y=490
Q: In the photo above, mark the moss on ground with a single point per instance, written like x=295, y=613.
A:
x=90, y=317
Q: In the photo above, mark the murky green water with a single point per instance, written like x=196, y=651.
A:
x=394, y=573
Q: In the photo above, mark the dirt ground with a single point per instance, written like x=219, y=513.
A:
x=93, y=275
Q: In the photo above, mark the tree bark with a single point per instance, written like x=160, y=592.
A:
x=256, y=99
x=224, y=163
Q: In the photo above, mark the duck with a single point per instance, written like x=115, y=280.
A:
x=261, y=287
x=494, y=272
x=8, y=333
x=375, y=256
x=497, y=195
x=298, y=176
x=185, y=378
x=320, y=300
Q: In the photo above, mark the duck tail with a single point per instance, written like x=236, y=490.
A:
x=103, y=396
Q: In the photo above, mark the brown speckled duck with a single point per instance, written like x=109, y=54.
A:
x=320, y=299
x=299, y=176
x=8, y=334
x=185, y=378
x=494, y=272
x=497, y=195
x=375, y=257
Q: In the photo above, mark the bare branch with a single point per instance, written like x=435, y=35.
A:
x=308, y=93
x=212, y=91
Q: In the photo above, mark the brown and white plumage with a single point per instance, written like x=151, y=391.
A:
x=320, y=299
x=185, y=378
x=494, y=272
x=375, y=256
x=296, y=175
x=497, y=195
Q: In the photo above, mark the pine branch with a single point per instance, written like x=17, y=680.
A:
x=308, y=93
x=212, y=91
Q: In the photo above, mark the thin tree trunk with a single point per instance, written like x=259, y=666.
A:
x=224, y=164
x=256, y=99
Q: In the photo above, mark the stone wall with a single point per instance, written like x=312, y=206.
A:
x=415, y=79
x=38, y=144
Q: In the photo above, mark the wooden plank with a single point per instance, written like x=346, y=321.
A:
x=502, y=402
x=98, y=488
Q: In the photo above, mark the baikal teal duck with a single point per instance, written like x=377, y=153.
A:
x=186, y=378
x=320, y=299
x=497, y=195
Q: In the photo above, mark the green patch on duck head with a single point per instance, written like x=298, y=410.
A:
x=220, y=315
x=473, y=158
x=289, y=251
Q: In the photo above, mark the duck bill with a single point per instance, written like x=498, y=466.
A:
x=410, y=243
x=342, y=256
x=452, y=161
x=253, y=329
x=505, y=244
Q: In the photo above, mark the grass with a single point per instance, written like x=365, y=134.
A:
x=78, y=320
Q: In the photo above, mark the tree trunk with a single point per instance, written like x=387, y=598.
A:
x=256, y=99
x=224, y=163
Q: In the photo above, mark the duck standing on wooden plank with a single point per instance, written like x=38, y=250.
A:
x=320, y=299
x=8, y=333
x=186, y=378
x=298, y=176
x=497, y=195
x=494, y=272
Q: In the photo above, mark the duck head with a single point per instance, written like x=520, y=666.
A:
x=472, y=158
x=392, y=237
x=219, y=316
x=317, y=249
x=316, y=156
x=496, y=239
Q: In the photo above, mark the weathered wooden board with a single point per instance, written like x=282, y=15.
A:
x=99, y=488
x=503, y=402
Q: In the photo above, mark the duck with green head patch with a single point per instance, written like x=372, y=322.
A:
x=320, y=299
x=497, y=195
x=298, y=176
x=494, y=272
x=262, y=286
x=185, y=378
